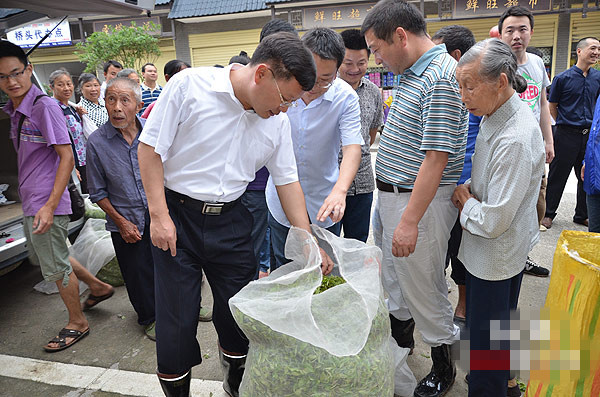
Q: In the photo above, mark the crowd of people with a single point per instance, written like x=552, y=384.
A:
x=206, y=175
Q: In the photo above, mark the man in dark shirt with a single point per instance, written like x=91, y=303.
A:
x=115, y=183
x=572, y=100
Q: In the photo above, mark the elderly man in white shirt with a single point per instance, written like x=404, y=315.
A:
x=498, y=203
x=210, y=131
x=326, y=117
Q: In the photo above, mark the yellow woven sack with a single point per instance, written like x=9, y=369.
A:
x=565, y=356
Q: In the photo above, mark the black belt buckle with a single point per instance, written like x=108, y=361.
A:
x=212, y=208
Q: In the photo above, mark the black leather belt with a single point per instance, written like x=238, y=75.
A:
x=206, y=207
x=386, y=187
x=577, y=130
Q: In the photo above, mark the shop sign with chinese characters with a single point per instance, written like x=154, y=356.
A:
x=476, y=8
x=336, y=16
x=28, y=36
x=116, y=23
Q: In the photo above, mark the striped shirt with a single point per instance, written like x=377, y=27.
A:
x=427, y=114
x=149, y=95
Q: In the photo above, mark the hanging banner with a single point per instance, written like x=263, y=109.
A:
x=476, y=8
x=28, y=36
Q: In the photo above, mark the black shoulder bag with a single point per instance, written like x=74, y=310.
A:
x=77, y=202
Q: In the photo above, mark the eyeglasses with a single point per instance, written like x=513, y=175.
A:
x=14, y=76
x=284, y=103
x=321, y=83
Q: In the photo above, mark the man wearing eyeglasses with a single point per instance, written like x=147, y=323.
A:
x=209, y=132
x=45, y=161
x=327, y=115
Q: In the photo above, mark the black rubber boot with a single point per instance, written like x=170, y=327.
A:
x=233, y=370
x=402, y=332
x=176, y=388
x=440, y=379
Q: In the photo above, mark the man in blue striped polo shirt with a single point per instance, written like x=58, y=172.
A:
x=420, y=159
x=150, y=88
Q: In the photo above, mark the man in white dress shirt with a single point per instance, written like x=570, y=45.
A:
x=327, y=115
x=210, y=131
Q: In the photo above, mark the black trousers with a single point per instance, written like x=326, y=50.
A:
x=486, y=301
x=569, y=149
x=458, y=268
x=221, y=246
x=137, y=267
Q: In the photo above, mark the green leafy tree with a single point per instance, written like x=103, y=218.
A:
x=132, y=46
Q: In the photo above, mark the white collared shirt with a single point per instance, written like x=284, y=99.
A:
x=210, y=146
x=501, y=226
x=318, y=130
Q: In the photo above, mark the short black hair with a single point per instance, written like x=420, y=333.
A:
x=515, y=11
x=388, y=15
x=174, y=66
x=8, y=49
x=276, y=25
x=112, y=63
x=287, y=57
x=353, y=40
x=86, y=78
x=326, y=43
x=241, y=58
x=148, y=64
x=456, y=37
x=583, y=41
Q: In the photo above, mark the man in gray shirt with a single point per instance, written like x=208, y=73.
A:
x=115, y=183
x=359, y=198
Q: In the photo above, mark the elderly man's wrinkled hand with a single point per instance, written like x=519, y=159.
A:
x=129, y=232
x=405, y=239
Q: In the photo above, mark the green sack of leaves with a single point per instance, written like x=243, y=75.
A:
x=317, y=336
x=111, y=273
x=93, y=210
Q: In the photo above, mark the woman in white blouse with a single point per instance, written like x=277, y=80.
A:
x=498, y=203
x=89, y=87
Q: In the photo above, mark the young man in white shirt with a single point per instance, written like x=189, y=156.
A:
x=209, y=132
x=326, y=116
x=111, y=68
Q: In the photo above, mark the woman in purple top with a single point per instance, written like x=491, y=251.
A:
x=62, y=88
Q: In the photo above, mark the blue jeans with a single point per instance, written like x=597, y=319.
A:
x=593, y=206
x=254, y=201
x=357, y=216
x=279, y=234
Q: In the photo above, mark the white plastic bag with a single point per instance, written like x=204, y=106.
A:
x=333, y=343
x=88, y=125
x=93, y=249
